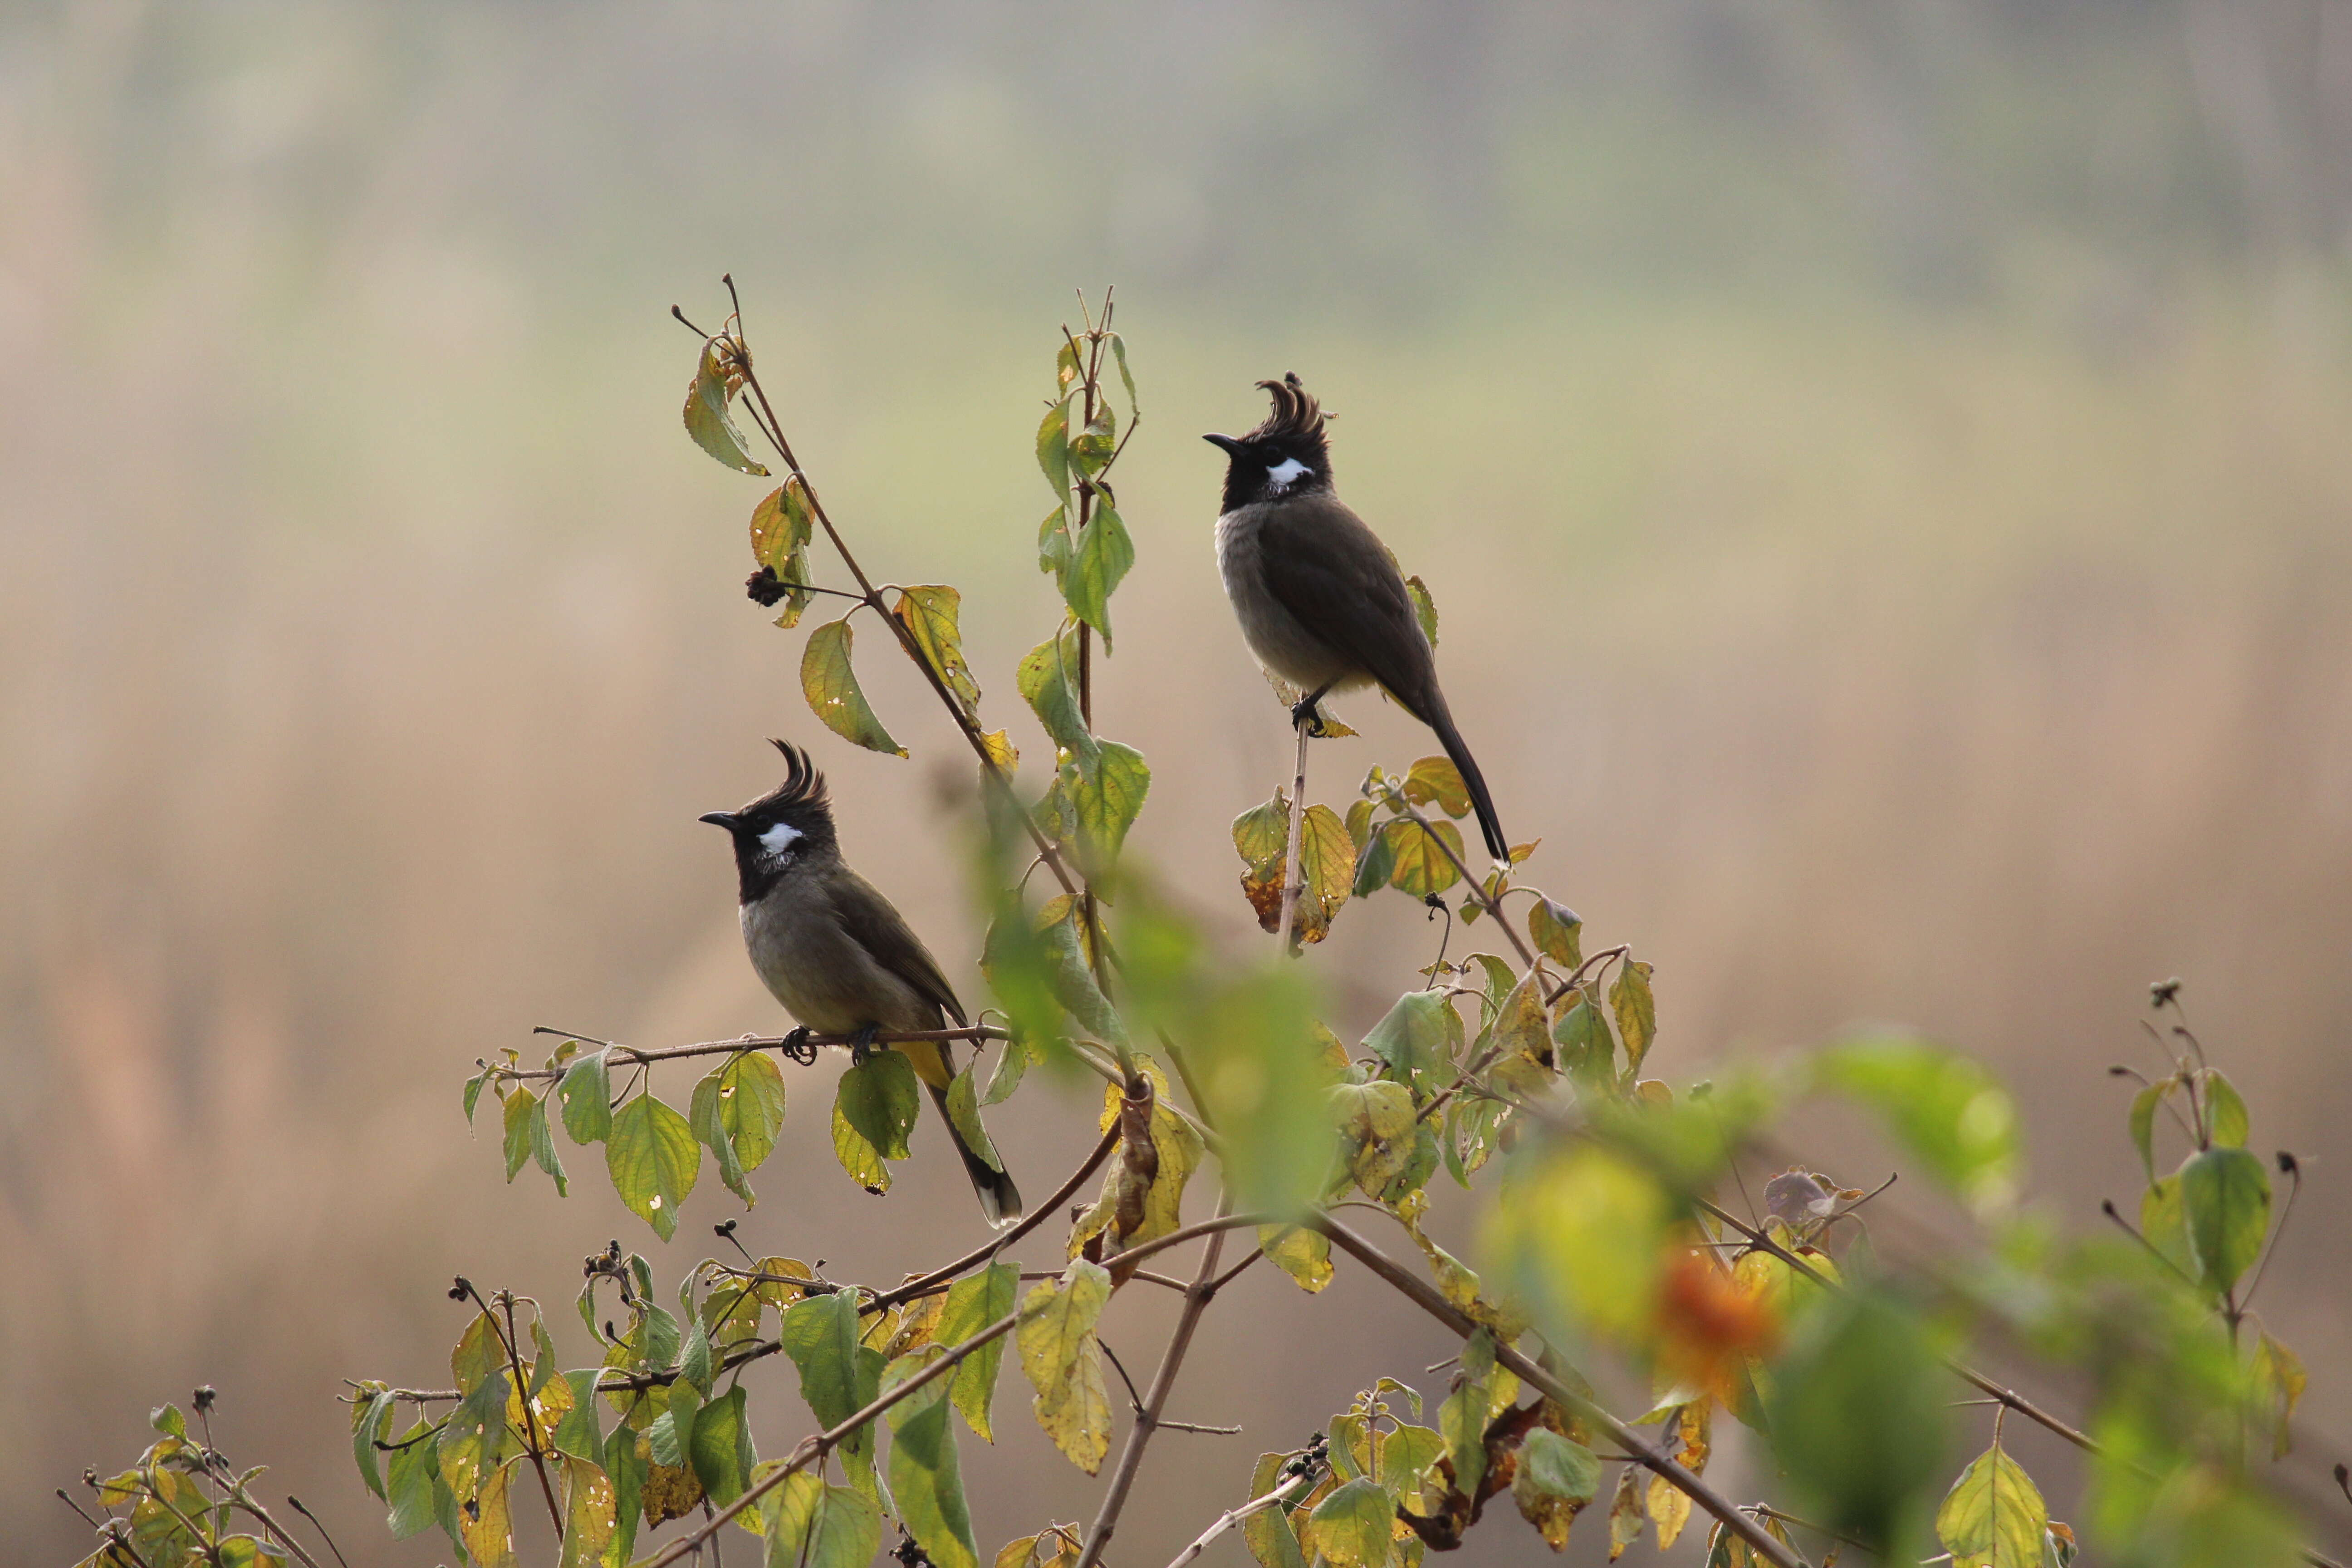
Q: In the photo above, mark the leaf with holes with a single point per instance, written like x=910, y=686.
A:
x=586, y=1096
x=654, y=1161
x=929, y=613
x=1063, y=1362
x=782, y=525
x=830, y=684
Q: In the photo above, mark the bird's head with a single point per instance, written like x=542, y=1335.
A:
x=785, y=828
x=1285, y=456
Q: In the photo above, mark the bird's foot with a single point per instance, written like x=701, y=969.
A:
x=1304, y=715
x=796, y=1046
x=861, y=1045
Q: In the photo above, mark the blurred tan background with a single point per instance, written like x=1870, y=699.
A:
x=1886, y=474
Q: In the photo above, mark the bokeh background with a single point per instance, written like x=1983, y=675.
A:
x=1886, y=474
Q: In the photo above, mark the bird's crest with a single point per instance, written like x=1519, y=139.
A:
x=803, y=786
x=1296, y=416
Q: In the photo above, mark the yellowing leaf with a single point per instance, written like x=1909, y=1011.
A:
x=1376, y=1132
x=1106, y=796
x=1556, y=1477
x=1303, y=1254
x=1063, y=1362
x=1327, y=863
x=489, y=1526
x=929, y=613
x=1047, y=678
x=2279, y=1382
x=1436, y=781
x=1001, y=752
x=1556, y=933
x=1994, y=1516
x=1669, y=1507
x=654, y=1161
x=1637, y=1012
x=1352, y=1525
x=1421, y=867
x=1625, y=1516
x=874, y=1109
x=1425, y=608
x=591, y=1512
x=830, y=684
x=780, y=528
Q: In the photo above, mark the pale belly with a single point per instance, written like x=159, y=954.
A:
x=1283, y=647
x=827, y=980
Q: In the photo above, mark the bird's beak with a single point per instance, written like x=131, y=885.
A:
x=1229, y=444
x=725, y=819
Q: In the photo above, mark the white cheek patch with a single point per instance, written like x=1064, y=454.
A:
x=780, y=838
x=1286, y=473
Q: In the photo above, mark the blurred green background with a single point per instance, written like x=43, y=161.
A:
x=1886, y=471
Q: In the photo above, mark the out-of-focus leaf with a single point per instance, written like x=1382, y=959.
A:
x=716, y=381
x=1670, y=1509
x=925, y=1478
x=2165, y=1223
x=2226, y=1121
x=654, y=1161
x=1625, y=1515
x=830, y=684
x=1436, y=781
x=1636, y=1011
x=1411, y=1038
x=2225, y=1194
x=1351, y=1525
x=1462, y=1420
x=2143, y=1121
x=1421, y=867
x=1108, y=795
x=1556, y=933
x=1097, y=565
x=585, y=1093
x=1002, y=753
x=2279, y=1382
x=874, y=1109
x=1583, y=1238
x=931, y=614
x=1994, y=1516
x=1857, y=1416
x=972, y=1303
x=1063, y=1362
x=1947, y=1110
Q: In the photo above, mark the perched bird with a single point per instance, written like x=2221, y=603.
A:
x=838, y=956
x=1321, y=602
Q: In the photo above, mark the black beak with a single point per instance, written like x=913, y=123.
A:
x=1230, y=445
x=725, y=819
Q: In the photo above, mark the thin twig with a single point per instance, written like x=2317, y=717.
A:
x=296, y=1504
x=1294, y=869
x=1036, y=1218
x=632, y=1054
x=1296, y=1485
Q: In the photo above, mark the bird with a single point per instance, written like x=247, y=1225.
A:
x=838, y=954
x=1321, y=603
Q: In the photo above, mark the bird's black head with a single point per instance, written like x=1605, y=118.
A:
x=786, y=827
x=1285, y=456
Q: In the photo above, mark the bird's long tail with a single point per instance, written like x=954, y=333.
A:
x=1481, y=801
x=1000, y=1200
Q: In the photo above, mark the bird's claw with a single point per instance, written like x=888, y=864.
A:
x=1305, y=715
x=796, y=1046
x=861, y=1045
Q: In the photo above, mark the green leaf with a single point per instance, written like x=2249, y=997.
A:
x=1436, y=781
x=654, y=1161
x=1463, y=1418
x=1047, y=679
x=1013, y=1062
x=721, y=1447
x=1557, y=1466
x=874, y=1110
x=2165, y=1223
x=1994, y=1516
x=519, y=1104
x=925, y=1477
x=839, y=1375
x=1053, y=447
x=473, y=1437
x=702, y=1115
x=1422, y=867
x=1410, y=1037
x=707, y=418
x=694, y=1361
x=2143, y=1122
x=974, y=1303
x=1108, y=795
x=415, y=1466
x=931, y=614
x=586, y=1096
x=579, y=1430
x=374, y=1425
x=830, y=684
x=1118, y=352
x=812, y=1525
x=474, y=1092
x=1636, y=1011
x=672, y=1433
x=782, y=525
x=1376, y=861
x=2225, y=1194
x=2226, y=1122
x=1097, y=565
x=1376, y=1129
x=1556, y=933
x=1857, y=1419
x=1948, y=1111
x=737, y=1112
x=590, y=1513
x=1063, y=1362
x=1425, y=608
x=1303, y=1254
x=1406, y=1455
x=1351, y=1525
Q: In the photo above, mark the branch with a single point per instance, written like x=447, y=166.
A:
x=1293, y=871
x=1302, y=1482
x=1203, y=1290
x=628, y=1054
x=1036, y=1216
x=1700, y=1491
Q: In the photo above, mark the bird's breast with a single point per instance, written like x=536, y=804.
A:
x=1284, y=647
x=823, y=976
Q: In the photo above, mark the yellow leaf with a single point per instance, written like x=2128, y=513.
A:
x=488, y=1527
x=1421, y=867
x=1063, y=1362
x=1436, y=779
x=929, y=613
x=1671, y=1507
x=1302, y=1254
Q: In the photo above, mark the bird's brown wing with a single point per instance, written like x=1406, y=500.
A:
x=1326, y=567
x=882, y=932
